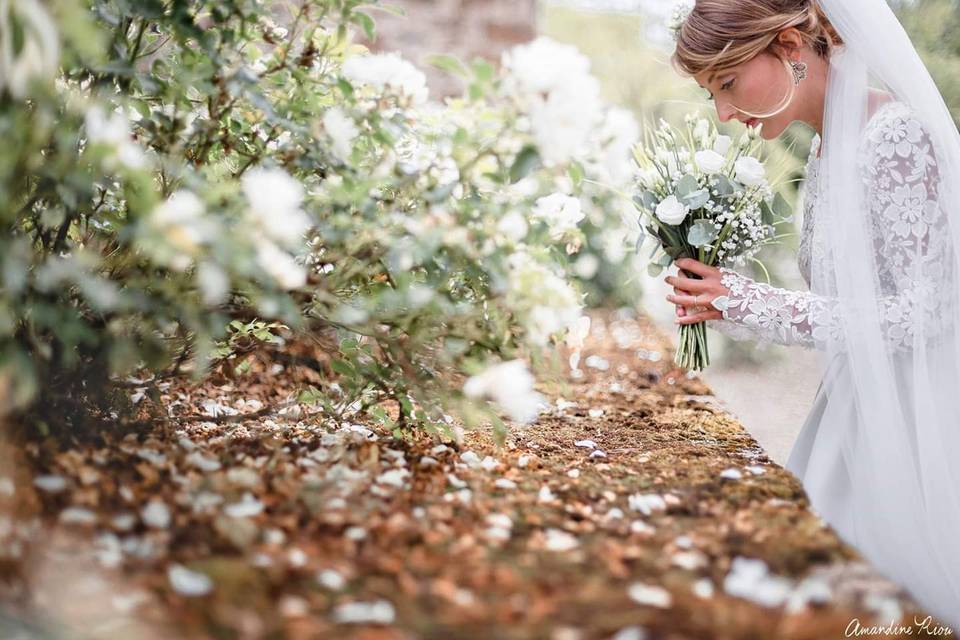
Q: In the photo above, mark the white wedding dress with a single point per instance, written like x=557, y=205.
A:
x=899, y=173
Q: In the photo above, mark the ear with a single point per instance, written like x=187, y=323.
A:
x=789, y=40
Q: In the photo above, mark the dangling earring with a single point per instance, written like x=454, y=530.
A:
x=799, y=68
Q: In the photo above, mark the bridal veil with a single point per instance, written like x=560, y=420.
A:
x=895, y=312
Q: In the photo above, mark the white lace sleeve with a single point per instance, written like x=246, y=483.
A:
x=733, y=329
x=901, y=179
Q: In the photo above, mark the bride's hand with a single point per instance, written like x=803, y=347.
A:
x=690, y=294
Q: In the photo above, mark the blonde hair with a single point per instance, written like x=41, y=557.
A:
x=719, y=34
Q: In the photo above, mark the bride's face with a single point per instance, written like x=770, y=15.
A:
x=757, y=86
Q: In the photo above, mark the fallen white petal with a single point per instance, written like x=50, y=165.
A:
x=545, y=494
x=470, y=458
x=77, y=515
x=393, y=477
x=50, y=484
x=703, y=588
x=247, y=507
x=557, y=540
x=156, y=514
x=330, y=579
x=378, y=612
x=647, y=503
x=187, y=582
x=749, y=578
x=650, y=595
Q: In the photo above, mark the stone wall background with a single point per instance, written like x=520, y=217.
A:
x=463, y=28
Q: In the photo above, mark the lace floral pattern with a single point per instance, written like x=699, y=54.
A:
x=899, y=171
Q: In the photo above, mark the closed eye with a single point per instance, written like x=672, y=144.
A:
x=724, y=87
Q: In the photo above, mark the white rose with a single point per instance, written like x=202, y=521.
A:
x=672, y=211
x=561, y=212
x=749, y=171
x=513, y=225
x=342, y=130
x=280, y=265
x=510, y=385
x=275, y=198
x=722, y=144
x=710, y=161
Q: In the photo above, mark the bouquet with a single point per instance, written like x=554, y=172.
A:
x=701, y=196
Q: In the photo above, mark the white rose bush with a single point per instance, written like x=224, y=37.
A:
x=702, y=196
x=181, y=183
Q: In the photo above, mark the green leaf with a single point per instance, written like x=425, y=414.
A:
x=688, y=184
x=450, y=64
x=726, y=186
x=499, y=431
x=654, y=270
x=365, y=21
x=310, y=395
x=781, y=207
x=381, y=416
x=766, y=213
x=405, y=405
x=342, y=367
x=345, y=87
x=475, y=91
x=575, y=171
x=696, y=199
x=483, y=70
x=702, y=232
x=647, y=200
x=527, y=160
x=674, y=252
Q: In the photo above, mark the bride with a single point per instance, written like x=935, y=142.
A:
x=879, y=453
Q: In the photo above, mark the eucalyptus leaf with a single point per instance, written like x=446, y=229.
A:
x=647, y=200
x=766, y=212
x=664, y=260
x=726, y=186
x=687, y=185
x=696, y=199
x=781, y=207
x=701, y=233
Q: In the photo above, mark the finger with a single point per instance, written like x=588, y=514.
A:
x=681, y=311
x=686, y=301
x=689, y=284
x=702, y=316
x=694, y=266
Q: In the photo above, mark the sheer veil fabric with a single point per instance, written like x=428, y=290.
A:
x=902, y=454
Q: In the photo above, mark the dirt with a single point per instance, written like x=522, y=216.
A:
x=272, y=527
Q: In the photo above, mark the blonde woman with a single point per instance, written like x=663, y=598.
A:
x=879, y=454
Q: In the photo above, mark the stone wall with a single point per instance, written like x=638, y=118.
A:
x=464, y=28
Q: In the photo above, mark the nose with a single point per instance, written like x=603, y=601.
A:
x=725, y=111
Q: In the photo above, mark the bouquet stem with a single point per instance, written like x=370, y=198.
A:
x=692, y=352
